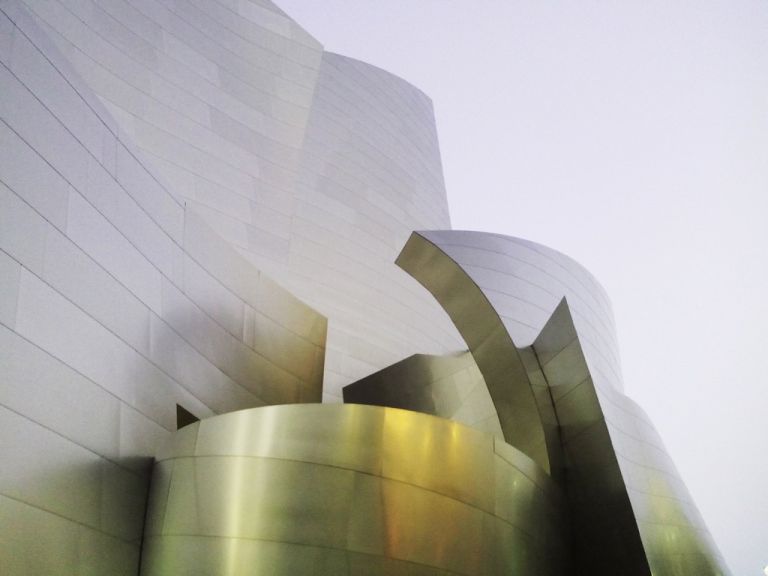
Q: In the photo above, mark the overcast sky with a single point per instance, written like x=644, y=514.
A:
x=633, y=136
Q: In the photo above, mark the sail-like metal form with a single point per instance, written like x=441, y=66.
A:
x=201, y=211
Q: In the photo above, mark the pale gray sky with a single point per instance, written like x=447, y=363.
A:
x=633, y=136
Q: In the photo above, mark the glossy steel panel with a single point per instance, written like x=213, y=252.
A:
x=653, y=525
x=248, y=122
x=150, y=153
x=286, y=490
x=117, y=302
x=525, y=281
x=674, y=534
x=599, y=506
x=451, y=387
x=624, y=495
x=489, y=342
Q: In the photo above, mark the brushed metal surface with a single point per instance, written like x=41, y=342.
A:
x=600, y=510
x=489, y=342
x=449, y=386
x=291, y=489
x=118, y=303
x=150, y=154
x=654, y=526
x=628, y=509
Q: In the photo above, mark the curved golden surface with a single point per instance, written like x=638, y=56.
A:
x=449, y=386
x=348, y=489
x=622, y=487
x=483, y=330
x=628, y=509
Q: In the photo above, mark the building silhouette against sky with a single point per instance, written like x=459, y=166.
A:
x=204, y=212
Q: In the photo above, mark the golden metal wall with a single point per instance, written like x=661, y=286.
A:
x=348, y=489
x=599, y=507
x=628, y=510
x=448, y=386
x=487, y=338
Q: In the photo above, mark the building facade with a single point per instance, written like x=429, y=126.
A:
x=201, y=208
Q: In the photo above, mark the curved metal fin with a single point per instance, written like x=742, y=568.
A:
x=489, y=342
x=449, y=386
x=600, y=509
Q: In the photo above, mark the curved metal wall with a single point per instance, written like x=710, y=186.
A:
x=449, y=386
x=314, y=166
x=117, y=303
x=344, y=489
x=144, y=123
x=524, y=282
x=370, y=174
x=129, y=130
x=498, y=359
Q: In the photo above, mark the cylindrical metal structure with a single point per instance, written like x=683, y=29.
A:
x=348, y=489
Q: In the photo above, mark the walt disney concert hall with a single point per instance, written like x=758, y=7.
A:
x=239, y=337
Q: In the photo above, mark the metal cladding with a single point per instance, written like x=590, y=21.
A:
x=623, y=492
x=163, y=166
x=345, y=489
x=488, y=340
x=200, y=213
x=450, y=386
x=315, y=167
x=598, y=504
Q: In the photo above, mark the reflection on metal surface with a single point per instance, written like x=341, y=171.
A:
x=287, y=336
x=358, y=489
x=488, y=340
x=599, y=508
x=126, y=293
x=674, y=535
x=621, y=486
x=447, y=386
x=628, y=510
x=348, y=489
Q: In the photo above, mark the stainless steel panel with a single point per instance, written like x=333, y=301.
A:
x=347, y=155
x=596, y=426
x=210, y=251
x=149, y=233
x=451, y=387
x=49, y=392
x=443, y=456
x=458, y=546
x=488, y=340
x=27, y=116
x=219, y=303
x=33, y=541
x=234, y=480
x=25, y=172
x=74, y=275
x=139, y=439
x=6, y=38
x=263, y=498
x=554, y=272
x=22, y=231
x=47, y=471
x=10, y=273
x=177, y=358
x=123, y=499
x=198, y=556
x=599, y=506
x=311, y=435
x=48, y=320
x=99, y=554
x=100, y=240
